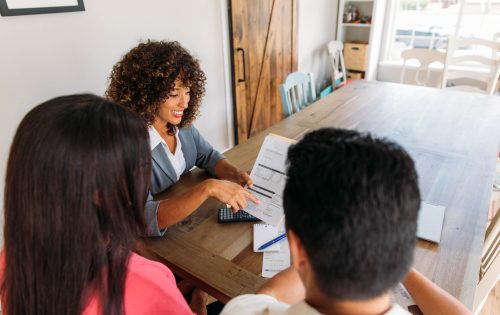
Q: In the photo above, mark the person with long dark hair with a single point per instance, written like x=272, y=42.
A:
x=164, y=84
x=76, y=185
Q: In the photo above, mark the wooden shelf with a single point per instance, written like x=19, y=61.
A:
x=370, y=33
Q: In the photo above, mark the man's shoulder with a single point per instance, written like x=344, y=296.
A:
x=259, y=304
x=254, y=304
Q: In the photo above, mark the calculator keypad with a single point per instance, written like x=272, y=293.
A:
x=226, y=216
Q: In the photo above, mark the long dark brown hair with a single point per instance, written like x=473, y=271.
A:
x=77, y=180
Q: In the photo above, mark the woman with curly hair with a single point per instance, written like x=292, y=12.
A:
x=164, y=85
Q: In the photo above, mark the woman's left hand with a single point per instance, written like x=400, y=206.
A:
x=244, y=179
x=225, y=170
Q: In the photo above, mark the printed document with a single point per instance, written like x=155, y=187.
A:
x=269, y=177
x=276, y=261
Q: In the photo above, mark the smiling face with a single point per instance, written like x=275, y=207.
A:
x=172, y=109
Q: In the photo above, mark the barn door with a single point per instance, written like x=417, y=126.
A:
x=264, y=49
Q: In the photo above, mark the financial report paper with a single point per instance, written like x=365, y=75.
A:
x=269, y=177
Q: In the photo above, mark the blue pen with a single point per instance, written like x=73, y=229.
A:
x=271, y=242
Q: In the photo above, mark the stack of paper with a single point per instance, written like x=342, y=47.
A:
x=274, y=262
x=263, y=233
x=269, y=178
x=277, y=256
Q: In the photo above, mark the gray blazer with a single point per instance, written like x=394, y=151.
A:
x=197, y=152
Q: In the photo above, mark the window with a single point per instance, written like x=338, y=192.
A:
x=429, y=23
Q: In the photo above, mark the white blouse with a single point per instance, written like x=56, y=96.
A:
x=177, y=158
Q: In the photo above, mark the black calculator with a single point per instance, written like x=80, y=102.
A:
x=227, y=216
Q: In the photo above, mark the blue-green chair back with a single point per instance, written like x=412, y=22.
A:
x=297, y=92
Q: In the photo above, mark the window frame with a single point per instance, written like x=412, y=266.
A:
x=389, y=36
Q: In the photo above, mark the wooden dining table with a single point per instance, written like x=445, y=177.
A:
x=454, y=139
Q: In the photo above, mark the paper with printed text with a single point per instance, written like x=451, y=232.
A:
x=269, y=178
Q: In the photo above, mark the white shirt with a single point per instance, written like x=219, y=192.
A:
x=177, y=158
x=260, y=304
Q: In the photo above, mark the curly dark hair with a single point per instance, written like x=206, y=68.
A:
x=146, y=75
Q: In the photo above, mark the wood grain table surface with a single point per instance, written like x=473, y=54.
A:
x=453, y=137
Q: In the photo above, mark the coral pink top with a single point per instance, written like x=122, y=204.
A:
x=150, y=288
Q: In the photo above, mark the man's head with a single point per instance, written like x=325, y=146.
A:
x=352, y=200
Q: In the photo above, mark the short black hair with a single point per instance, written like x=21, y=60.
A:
x=353, y=202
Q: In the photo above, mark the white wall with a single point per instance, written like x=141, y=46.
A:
x=43, y=56
x=317, y=24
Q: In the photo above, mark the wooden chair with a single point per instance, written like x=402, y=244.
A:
x=425, y=58
x=297, y=92
x=489, y=273
x=458, y=72
x=337, y=69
